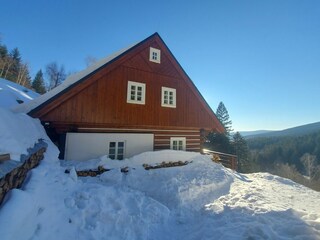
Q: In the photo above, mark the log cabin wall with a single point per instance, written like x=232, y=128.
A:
x=99, y=101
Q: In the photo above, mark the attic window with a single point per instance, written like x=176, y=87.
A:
x=155, y=55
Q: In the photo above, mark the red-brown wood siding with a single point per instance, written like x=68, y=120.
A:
x=101, y=100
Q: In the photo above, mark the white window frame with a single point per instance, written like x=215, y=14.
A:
x=116, y=150
x=136, y=85
x=155, y=55
x=166, y=94
x=178, y=139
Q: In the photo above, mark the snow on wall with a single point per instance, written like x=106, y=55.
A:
x=18, y=132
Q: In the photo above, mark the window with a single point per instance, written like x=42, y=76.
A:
x=168, y=98
x=116, y=150
x=178, y=143
x=154, y=55
x=136, y=92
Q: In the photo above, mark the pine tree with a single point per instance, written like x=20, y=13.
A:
x=223, y=116
x=16, y=65
x=219, y=142
x=240, y=148
x=38, y=83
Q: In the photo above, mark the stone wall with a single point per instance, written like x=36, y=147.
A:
x=14, y=173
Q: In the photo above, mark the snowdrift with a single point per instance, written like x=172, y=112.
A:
x=201, y=200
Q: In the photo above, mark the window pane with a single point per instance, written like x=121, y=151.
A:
x=112, y=151
x=120, y=157
x=112, y=144
x=111, y=156
x=120, y=144
x=133, y=88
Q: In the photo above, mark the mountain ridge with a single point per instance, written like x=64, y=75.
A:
x=294, y=131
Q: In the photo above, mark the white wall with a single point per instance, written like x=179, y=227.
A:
x=83, y=146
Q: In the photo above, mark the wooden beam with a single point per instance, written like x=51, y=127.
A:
x=4, y=157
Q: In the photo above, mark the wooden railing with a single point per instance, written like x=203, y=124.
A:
x=227, y=160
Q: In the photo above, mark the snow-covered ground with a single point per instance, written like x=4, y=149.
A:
x=201, y=200
x=11, y=94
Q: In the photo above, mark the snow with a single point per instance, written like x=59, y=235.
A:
x=18, y=132
x=201, y=200
x=71, y=80
x=10, y=92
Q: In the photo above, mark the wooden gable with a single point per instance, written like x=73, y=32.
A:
x=99, y=99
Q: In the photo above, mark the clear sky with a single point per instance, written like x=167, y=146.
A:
x=261, y=58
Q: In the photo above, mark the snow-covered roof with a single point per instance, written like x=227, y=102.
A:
x=11, y=93
x=71, y=80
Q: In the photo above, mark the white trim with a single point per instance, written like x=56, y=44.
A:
x=142, y=91
x=155, y=55
x=168, y=97
x=179, y=140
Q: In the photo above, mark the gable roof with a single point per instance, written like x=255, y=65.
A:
x=77, y=78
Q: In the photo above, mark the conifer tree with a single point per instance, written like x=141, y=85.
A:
x=38, y=83
x=223, y=116
x=240, y=148
x=16, y=65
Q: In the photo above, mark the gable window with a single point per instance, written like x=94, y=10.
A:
x=136, y=92
x=116, y=150
x=168, y=97
x=155, y=55
x=177, y=143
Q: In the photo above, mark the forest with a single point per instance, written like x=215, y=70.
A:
x=294, y=157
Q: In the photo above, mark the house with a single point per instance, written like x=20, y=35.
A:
x=139, y=99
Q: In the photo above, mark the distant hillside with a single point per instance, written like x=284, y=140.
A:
x=252, y=133
x=295, y=131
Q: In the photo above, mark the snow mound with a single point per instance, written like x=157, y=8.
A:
x=18, y=132
x=11, y=94
x=200, y=200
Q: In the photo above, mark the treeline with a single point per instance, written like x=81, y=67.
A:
x=294, y=157
x=14, y=69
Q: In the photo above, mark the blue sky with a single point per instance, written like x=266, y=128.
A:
x=261, y=58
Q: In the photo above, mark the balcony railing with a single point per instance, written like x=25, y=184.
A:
x=227, y=160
